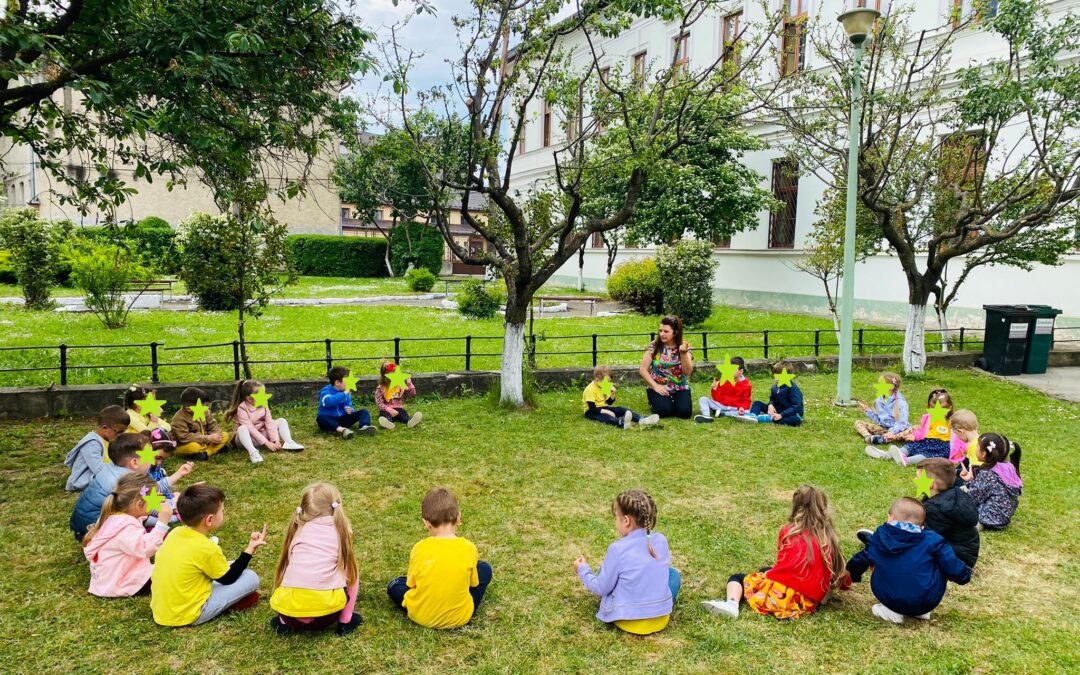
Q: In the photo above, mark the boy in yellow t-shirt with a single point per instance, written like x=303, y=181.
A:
x=446, y=578
x=192, y=582
x=598, y=402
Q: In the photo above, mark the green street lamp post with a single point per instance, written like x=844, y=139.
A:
x=858, y=24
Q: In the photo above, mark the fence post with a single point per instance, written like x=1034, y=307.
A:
x=397, y=350
x=153, y=362
x=705, y=345
x=236, y=359
x=765, y=344
x=817, y=342
x=961, y=338
x=860, y=342
x=594, y=350
x=468, y=353
x=63, y=365
x=329, y=356
x=532, y=351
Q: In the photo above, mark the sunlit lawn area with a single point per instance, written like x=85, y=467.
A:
x=535, y=490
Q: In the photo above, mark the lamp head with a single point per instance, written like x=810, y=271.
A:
x=858, y=23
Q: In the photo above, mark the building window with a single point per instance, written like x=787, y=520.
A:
x=681, y=47
x=728, y=36
x=573, y=123
x=521, y=138
x=76, y=173
x=547, y=124
x=976, y=10
x=793, y=40
x=720, y=242
x=872, y=4
x=785, y=187
x=963, y=158
x=22, y=192
x=597, y=240
x=605, y=73
x=639, y=64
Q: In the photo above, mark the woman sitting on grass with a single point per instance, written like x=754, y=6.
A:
x=666, y=368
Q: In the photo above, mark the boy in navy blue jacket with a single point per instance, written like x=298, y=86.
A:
x=785, y=404
x=336, y=412
x=911, y=564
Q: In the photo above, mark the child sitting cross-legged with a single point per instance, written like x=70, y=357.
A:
x=391, y=400
x=125, y=459
x=317, y=579
x=601, y=408
x=163, y=445
x=888, y=419
x=336, y=414
x=785, y=404
x=197, y=433
x=87, y=458
x=636, y=583
x=994, y=484
x=931, y=439
x=255, y=427
x=728, y=399
x=192, y=581
x=808, y=564
x=446, y=579
x=911, y=564
x=118, y=546
x=138, y=421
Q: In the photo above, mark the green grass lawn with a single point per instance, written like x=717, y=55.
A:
x=535, y=490
x=22, y=328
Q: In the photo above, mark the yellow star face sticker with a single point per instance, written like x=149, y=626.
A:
x=882, y=388
x=147, y=455
x=923, y=483
x=397, y=379
x=153, y=500
x=151, y=405
x=728, y=370
x=198, y=411
x=784, y=378
x=262, y=399
x=937, y=413
x=605, y=387
x=350, y=382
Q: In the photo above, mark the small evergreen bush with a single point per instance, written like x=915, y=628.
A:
x=420, y=279
x=686, y=273
x=477, y=300
x=637, y=283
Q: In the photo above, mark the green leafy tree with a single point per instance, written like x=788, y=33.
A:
x=686, y=277
x=952, y=163
x=35, y=248
x=104, y=272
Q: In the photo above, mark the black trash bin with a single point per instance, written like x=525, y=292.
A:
x=1040, y=339
x=1006, y=338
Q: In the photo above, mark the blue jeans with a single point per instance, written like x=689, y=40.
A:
x=759, y=408
x=616, y=421
x=397, y=588
x=332, y=422
x=677, y=404
x=223, y=597
x=674, y=582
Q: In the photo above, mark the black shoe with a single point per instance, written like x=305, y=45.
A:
x=702, y=419
x=864, y=536
x=199, y=457
x=344, y=629
x=280, y=628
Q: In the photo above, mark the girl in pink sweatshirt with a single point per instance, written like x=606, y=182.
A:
x=317, y=575
x=118, y=546
x=255, y=427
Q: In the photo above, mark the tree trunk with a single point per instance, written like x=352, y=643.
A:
x=243, y=346
x=914, y=356
x=943, y=326
x=389, y=267
x=511, y=387
x=581, y=269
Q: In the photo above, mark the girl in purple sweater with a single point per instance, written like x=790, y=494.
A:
x=636, y=583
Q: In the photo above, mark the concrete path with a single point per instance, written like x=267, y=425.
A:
x=1062, y=383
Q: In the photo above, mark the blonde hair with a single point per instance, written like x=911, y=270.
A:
x=811, y=518
x=964, y=420
x=908, y=510
x=640, y=508
x=128, y=489
x=600, y=372
x=318, y=500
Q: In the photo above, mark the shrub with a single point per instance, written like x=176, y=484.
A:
x=7, y=272
x=418, y=245
x=103, y=271
x=420, y=279
x=154, y=240
x=35, y=248
x=477, y=300
x=320, y=255
x=686, y=274
x=637, y=283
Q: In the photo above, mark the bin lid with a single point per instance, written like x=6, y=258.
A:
x=1044, y=310
x=1015, y=310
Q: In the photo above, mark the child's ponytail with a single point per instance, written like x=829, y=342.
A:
x=286, y=544
x=346, y=554
x=130, y=487
x=1014, y=456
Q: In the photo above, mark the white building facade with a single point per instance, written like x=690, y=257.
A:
x=755, y=268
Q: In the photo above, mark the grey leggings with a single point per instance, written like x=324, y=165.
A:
x=224, y=596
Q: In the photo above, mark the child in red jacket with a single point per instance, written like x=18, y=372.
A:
x=730, y=399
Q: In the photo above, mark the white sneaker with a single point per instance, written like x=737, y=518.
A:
x=649, y=421
x=897, y=456
x=414, y=420
x=876, y=453
x=368, y=430
x=255, y=457
x=627, y=419
x=386, y=424
x=752, y=419
x=885, y=614
x=728, y=608
x=346, y=434
x=292, y=446
x=923, y=617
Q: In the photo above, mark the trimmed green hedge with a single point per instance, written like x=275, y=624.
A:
x=322, y=255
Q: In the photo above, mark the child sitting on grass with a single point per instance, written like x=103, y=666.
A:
x=808, y=564
x=125, y=459
x=888, y=418
x=950, y=511
x=964, y=444
x=317, y=580
x=163, y=446
x=636, y=583
x=336, y=414
x=729, y=399
x=785, y=404
x=911, y=565
x=391, y=402
x=192, y=581
x=446, y=579
x=87, y=458
x=995, y=484
x=198, y=438
x=600, y=408
x=137, y=420
x=931, y=439
x=118, y=546
x=254, y=426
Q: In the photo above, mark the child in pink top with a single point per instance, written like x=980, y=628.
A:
x=255, y=427
x=391, y=400
x=118, y=546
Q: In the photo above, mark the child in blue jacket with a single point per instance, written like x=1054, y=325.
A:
x=336, y=413
x=785, y=404
x=911, y=565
